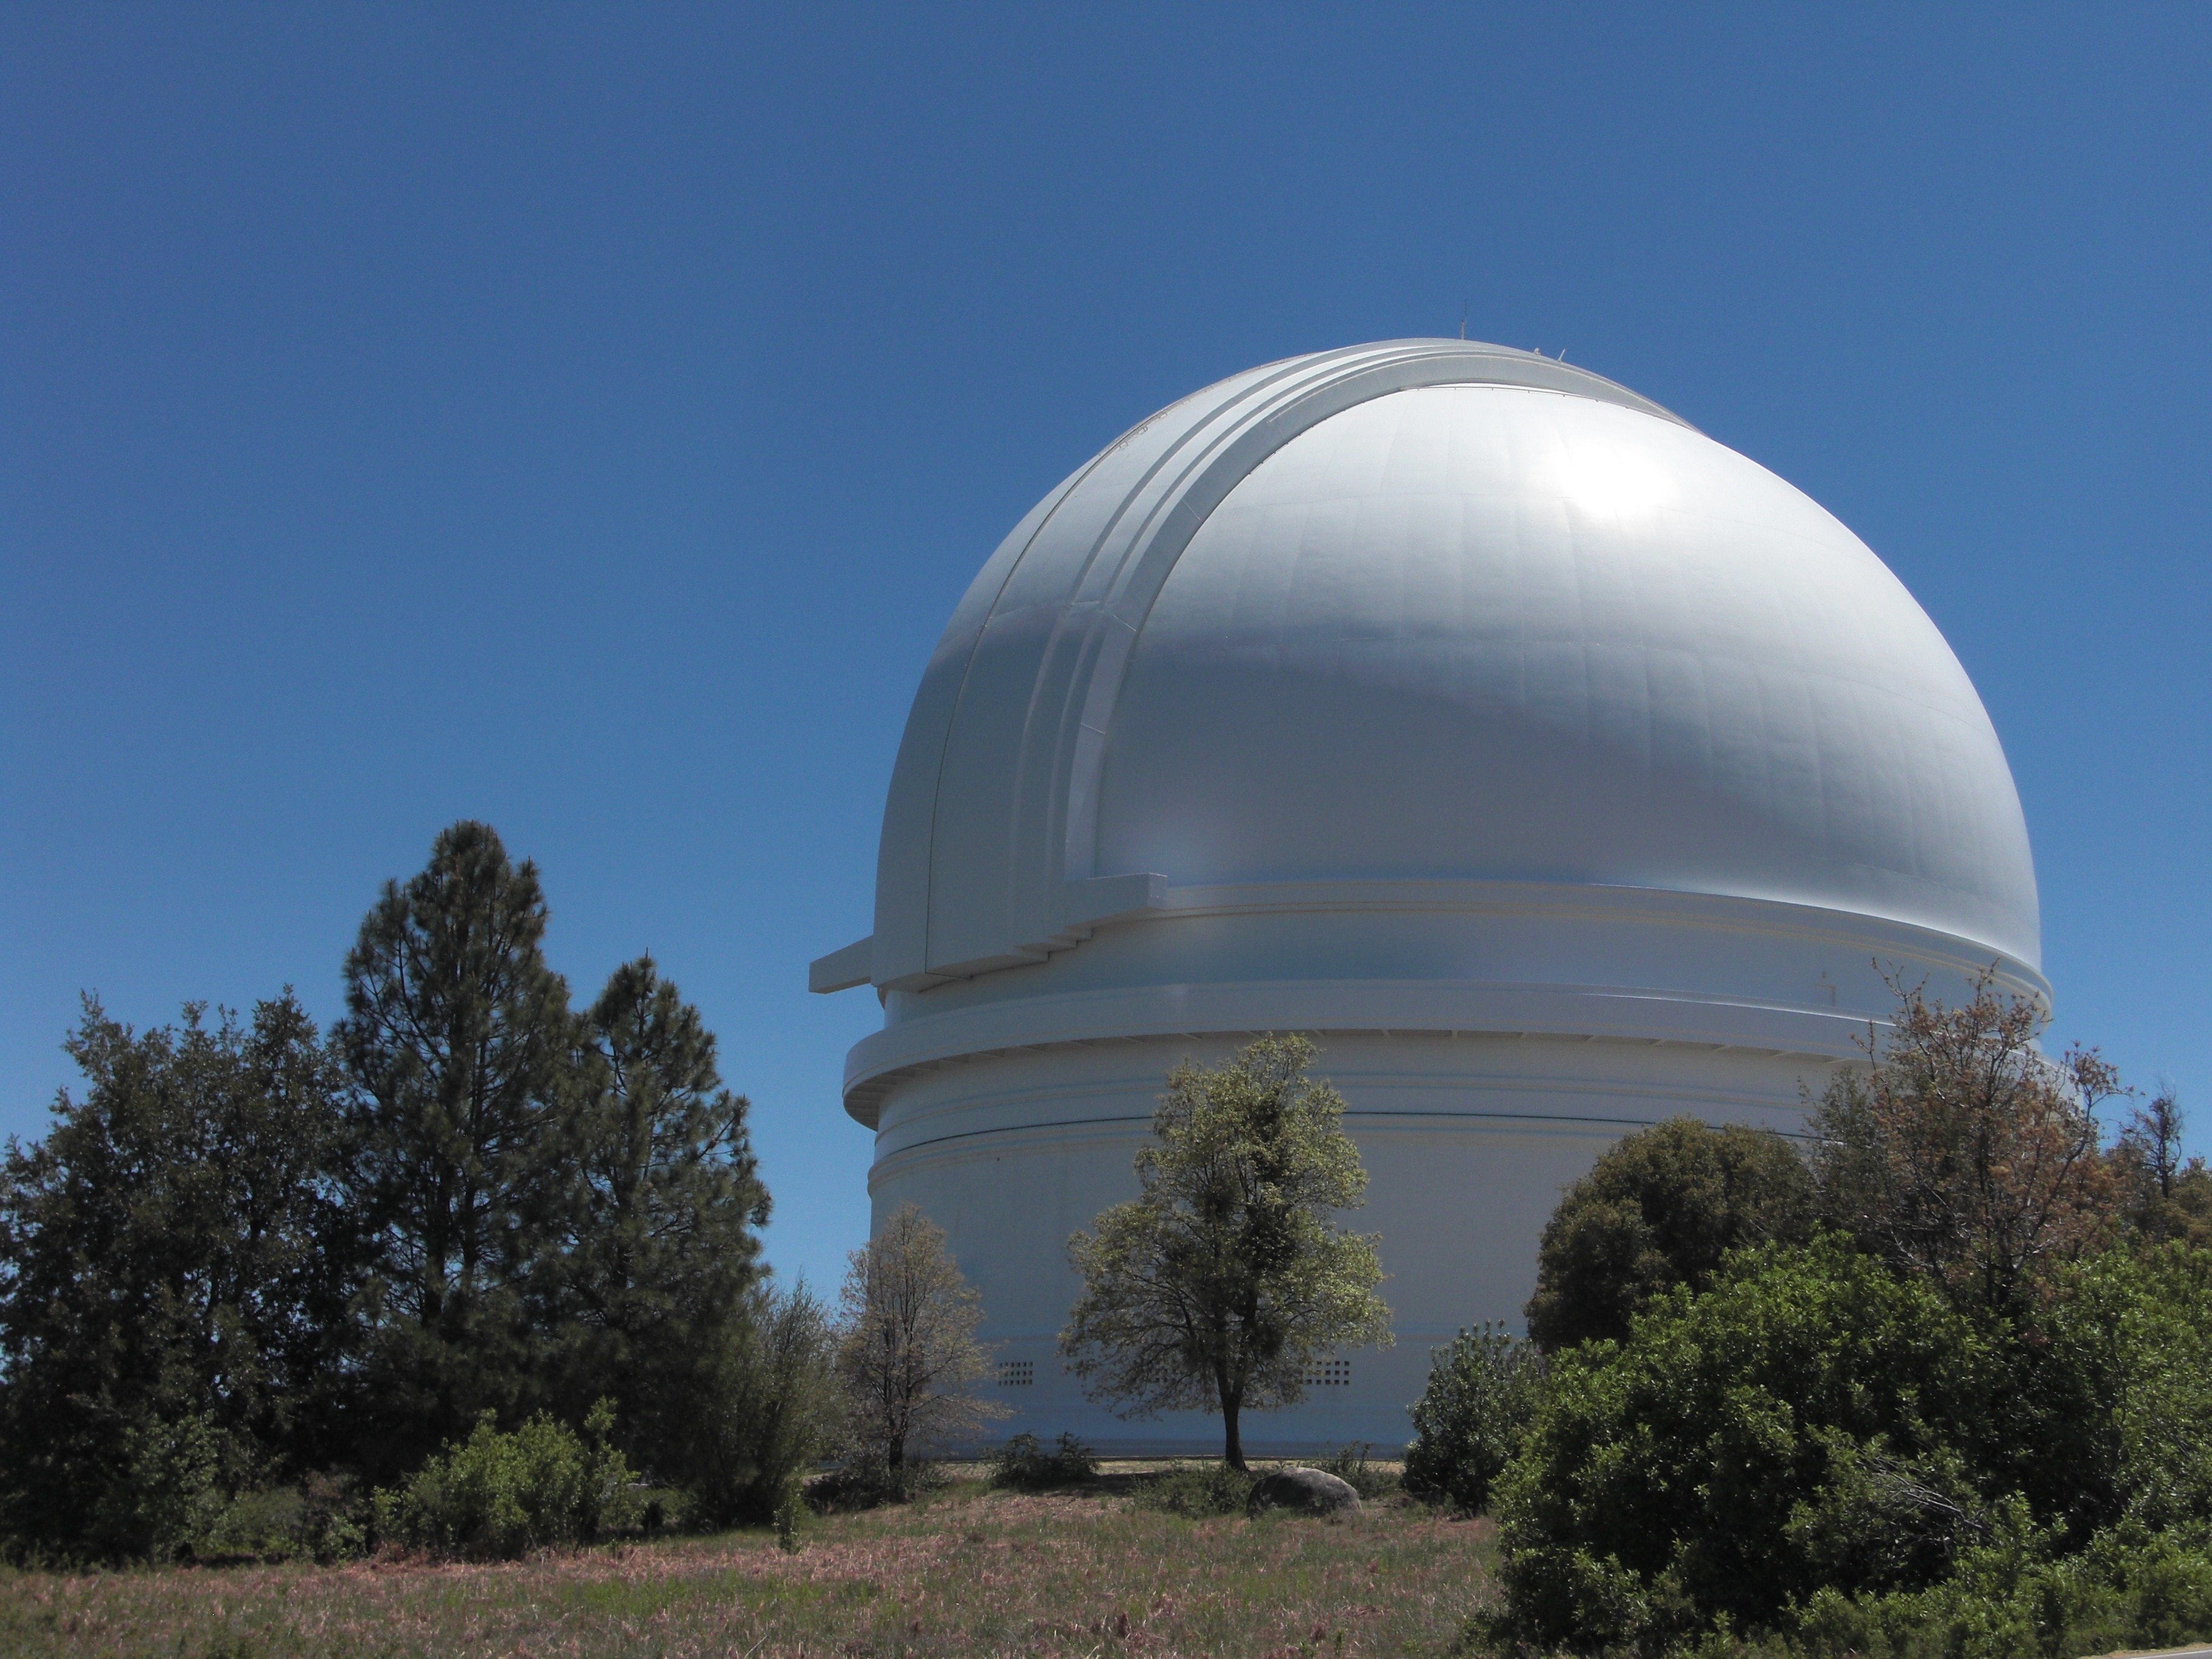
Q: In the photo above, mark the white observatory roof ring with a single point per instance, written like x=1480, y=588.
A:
x=1433, y=609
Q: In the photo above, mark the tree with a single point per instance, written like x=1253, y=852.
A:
x=460, y=1039
x=1810, y=1420
x=1222, y=1284
x=907, y=1353
x=1482, y=1395
x=175, y=1266
x=2164, y=1195
x=660, y=1214
x=778, y=1411
x=1659, y=1208
x=1961, y=1152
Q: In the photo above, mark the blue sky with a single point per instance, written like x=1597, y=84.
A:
x=585, y=418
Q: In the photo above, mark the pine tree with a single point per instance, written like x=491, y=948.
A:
x=662, y=1252
x=461, y=1040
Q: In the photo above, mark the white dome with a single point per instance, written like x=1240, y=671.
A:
x=1491, y=632
x=1562, y=769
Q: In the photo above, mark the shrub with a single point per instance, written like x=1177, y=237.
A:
x=1804, y=1423
x=1482, y=1395
x=1351, y=1465
x=502, y=1495
x=1197, y=1490
x=1026, y=1465
x=777, y=1411
x=321, y=1519
x=1662, y=1207
x=864, y=1483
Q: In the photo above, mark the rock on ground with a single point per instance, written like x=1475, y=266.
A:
x=1306, y=1491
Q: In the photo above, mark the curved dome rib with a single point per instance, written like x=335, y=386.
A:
x=992, y=812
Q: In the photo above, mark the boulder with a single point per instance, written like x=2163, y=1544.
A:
x=1302, y=1492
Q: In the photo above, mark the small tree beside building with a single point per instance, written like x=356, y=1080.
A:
x=907, y=1353
x=1228, y=1280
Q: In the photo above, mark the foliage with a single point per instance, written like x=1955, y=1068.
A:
x=503, y=1495
x=248, y=1254
x=654, y=1285
x=2164, y=1197
x=1024, y=1464
x=1797, y=1425
x=1961, y=1152
x=2019, y=1598
x=320, y=1519
x=1482, y=1395
x=1660, y=1208
x=459, y=1036
x=174, y=1270
x=1198, y=1490
x=1228, y=1278
x=907, y=1353
x=1820, y=1423
x=1354, y=1466
x=778, y=1413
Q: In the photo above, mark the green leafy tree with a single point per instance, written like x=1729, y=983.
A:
x=175, y=1269
x=460, y=1039
x=907, y=1353
x=1659, y=1208
x=660, y=1201
x=1811, y=1420
x=1482, y=1395
x=1221, y=1285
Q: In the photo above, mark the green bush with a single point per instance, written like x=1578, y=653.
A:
x=776, y=1411
x=1197, y=1490
x=1804, y=1424
x=1352, y=1465
x=866, y=1484
x=1024, y=1464
x=1662, y=1207
x=320, y=1519
x=1482, y=1393
x=502, y=1495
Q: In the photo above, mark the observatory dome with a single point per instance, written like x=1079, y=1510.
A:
x=1563, y=767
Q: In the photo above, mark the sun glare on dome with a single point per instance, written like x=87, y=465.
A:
x=1614, y=481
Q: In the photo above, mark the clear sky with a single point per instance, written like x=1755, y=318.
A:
x=585, y=418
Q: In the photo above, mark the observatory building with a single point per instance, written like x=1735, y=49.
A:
x=1559, y=769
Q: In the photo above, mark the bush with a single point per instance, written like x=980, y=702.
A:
x=1482, y=1394
x=1807, y=1422
x=321, y=1519
x=1662, y=1207
x=1024, y=1465
x=1197, y=1490
x=1349, y=1464
x=866, y=1484
x=502, y=1495
x=776, y=1413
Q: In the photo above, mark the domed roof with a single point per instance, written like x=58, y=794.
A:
x=1436, y=610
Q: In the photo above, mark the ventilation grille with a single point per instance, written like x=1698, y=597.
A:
x=1017, y=1373
x=1329, y=1374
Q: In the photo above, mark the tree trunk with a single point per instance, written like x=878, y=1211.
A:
x=1232, y=1450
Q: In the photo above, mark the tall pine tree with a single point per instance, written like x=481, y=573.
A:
x=460, y=1039
x=662, y=1260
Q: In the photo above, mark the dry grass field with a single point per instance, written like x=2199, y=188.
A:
x=965, y=1572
